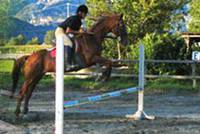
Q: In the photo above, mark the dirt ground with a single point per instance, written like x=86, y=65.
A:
x=175, y=112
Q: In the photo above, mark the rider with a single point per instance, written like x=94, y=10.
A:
x=67, y=28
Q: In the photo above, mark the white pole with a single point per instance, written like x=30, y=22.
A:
x=141, y=79
x=140, y=114
x=59, y=109
x=68, y=4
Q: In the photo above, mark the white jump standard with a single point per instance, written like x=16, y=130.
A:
x=140, y=114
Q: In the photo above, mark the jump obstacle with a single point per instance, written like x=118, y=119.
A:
x=139, y=115
x=100, y=97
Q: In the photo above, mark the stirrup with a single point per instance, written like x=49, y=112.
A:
x=71, y=67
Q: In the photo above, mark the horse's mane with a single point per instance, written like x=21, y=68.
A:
x=100, y=19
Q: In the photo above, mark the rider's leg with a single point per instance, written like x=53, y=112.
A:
x=68, y=55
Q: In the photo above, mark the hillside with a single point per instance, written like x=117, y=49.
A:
x=47, y=12
x=28, y=30
x=39, y=16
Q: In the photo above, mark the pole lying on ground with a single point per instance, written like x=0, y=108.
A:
x=100, y=97
x=59, y=86
x=140, y=114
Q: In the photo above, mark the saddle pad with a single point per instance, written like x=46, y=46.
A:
x=52, y=52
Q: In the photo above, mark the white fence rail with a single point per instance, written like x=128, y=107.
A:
x=192, y=77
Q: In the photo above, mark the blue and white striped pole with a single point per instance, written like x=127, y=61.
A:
x=100, y=97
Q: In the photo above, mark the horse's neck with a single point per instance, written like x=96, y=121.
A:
x=99, y=33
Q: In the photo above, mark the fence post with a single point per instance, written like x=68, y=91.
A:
x=119, y=51
x=193, y=75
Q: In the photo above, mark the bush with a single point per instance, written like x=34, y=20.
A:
x=162, y=47
x=33, y=41
x=19, y=40
x=12, y=42
x=2, y=41
x=110, y=49
x=49, y=36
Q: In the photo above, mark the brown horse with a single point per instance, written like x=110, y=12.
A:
x=89, y=50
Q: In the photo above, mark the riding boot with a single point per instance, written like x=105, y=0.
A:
x=69, y=57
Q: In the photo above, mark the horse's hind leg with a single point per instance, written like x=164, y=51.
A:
x=27, y=97
x=29, y=93
x=104, y=62
x=21, y=95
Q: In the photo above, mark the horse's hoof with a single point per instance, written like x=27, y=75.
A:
x=31, y=117
x=17, y=112
x=6, y=93
x=98, y=79
x=25, y=117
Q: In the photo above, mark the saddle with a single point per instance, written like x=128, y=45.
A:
x=53, y=50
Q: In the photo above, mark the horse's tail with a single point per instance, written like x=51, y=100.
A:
x=18, y=64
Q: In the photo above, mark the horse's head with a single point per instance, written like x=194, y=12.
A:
x=118, y=28
x=111, y=23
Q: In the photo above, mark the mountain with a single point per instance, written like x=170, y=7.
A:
x=28, y=30
x=39, y=16
x=47, y=12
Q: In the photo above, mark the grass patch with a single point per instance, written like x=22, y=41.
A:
x=22, y=49
x=166, y=84
x=89, y=83
x=6, y=65
x=5, y=80
x=163, y=85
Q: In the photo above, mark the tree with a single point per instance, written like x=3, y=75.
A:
x=19, y=40
x=194, y=24
x=149, y=16
x=49, y=36
x=4, y=19
x=8, y=8
x=33, y=41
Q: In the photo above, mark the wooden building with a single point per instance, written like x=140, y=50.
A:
x=190, y=38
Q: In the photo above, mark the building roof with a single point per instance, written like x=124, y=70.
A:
x=190, y=35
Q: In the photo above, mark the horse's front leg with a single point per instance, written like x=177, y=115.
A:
x=108, y=67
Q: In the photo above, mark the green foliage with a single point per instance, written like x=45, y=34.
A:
x=166, y=47
x=22, y=49
x=12, y=42
x=97, y=8
x=33, y=41
x=194, y=24
x=88, y=83
x=149, y=16
x=166, y=84
x=109, y=49
x=6, y=65
x=8, y=8
x=49, y=36
x=19, y=40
